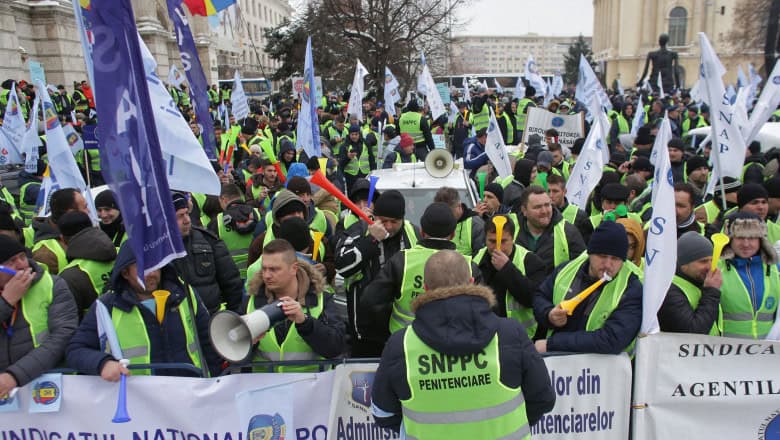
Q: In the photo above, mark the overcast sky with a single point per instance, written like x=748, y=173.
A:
x=518, y=17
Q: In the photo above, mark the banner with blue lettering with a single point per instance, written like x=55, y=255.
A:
x=130, y=152
x=195, y=76
x=308, y=123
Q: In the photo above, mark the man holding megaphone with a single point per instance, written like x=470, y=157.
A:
x=311, y=330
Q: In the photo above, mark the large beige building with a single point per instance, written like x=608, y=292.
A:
x=626, y=30
x=45, y=31
x=508, y=54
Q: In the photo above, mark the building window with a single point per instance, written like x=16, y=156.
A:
x=678, y=24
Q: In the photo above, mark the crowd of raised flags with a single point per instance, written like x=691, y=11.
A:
x=148, y=145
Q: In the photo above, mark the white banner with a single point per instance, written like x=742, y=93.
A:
x=238, y=101
x=570, y=127
x=350, y=406
x=591, y=398
x=706, y=387
x=162, y=408
x=495, y=148
x=355, y=105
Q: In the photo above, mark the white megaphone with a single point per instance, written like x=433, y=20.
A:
x=232, y=334
x=439, y=163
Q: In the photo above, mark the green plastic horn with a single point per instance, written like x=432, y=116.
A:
x=481, y=176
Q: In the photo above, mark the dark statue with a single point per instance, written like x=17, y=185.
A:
x=664, y=62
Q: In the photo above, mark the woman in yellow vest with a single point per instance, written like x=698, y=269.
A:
x=692, y=304
x=311, y=331
x=172, y=334
x=751, y=283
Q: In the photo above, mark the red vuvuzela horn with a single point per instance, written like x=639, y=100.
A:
x=320, y=180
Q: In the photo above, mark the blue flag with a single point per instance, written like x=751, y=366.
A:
x=130, y=152
x=308, y=132
x=194, y=71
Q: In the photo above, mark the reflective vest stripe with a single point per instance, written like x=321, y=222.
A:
x=521, y=113
x=468, y=416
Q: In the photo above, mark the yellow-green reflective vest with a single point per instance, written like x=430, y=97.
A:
x=134, y=339
x=408, y=229
x=359, y=164
x=569, y=213
x=462, y=237
x=98, y=272
x=480, y=119
x=237, y=244
x=510, y=130
x=200, y=200
x=740, y=319
x=293, y=348
x=56, y=248
x=467, y=401
x=27, y=210
x=560, y=243
x=523, y=315
x=521, y=113
x=409, y=123
x=622, y=123
x=686, y=125
x=608, y=300
x=35, y=308
x=693, y=294
x=29, y=236
x=412, y=285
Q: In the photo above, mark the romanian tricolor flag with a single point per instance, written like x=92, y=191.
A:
x=207, y=7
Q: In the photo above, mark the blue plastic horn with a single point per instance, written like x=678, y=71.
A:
x=371, y=188
x=121, y=415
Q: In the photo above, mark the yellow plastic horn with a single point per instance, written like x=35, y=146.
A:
x=570, y=304
x=316, y=245
x=499, y=221
x=160, y=298
x=323, y=164
x=719, y=241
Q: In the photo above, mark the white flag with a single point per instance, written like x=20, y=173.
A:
x=531, y=74
x=728, y=144
x=453, y=113
x=639, y=117
x=495, y=148
x=175, y=78
x=392, y=95
x=519, y=88
x=499, y=89
x=466, y=90
x=238, y=100
x=660, y=84
x=420, y=82
x=356, y=94
x=661, y=249
x=557, y=84
x=742, y=80
x=434, y=99
x=696, y=93
x=13, y=128
x=755, y=81
x=74, y=140
x=31, y=141
x=588, y=86
x=588, y=168
x=64, y=171
x=187, y=165
x=620, y=90
x=767, y=103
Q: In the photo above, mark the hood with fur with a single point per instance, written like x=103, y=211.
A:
x=456, y=320
x=308, y=278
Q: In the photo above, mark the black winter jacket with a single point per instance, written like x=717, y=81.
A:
x=458, y=321
x=89, y=244
x=211, y=271
x=677, y=315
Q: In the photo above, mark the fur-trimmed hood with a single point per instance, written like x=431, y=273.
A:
x=750, y=228
x=456, y=320
x=308, y=279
